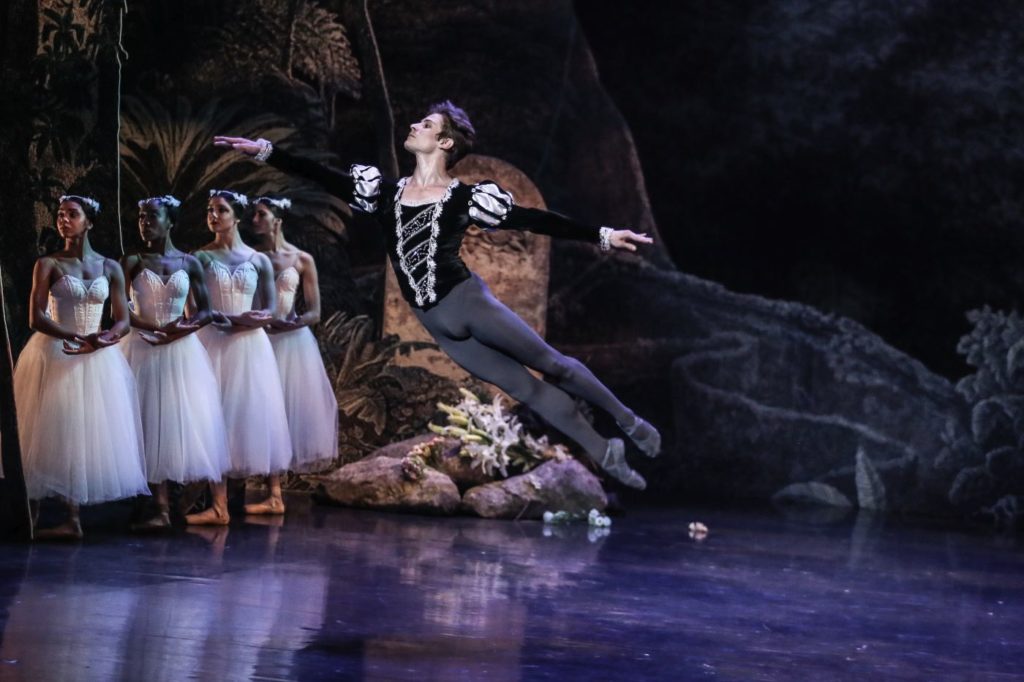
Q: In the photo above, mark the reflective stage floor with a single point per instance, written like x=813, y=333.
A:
x=334, y=594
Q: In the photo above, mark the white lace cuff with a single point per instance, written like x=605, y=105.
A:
x=266, y=148
x=604, y=235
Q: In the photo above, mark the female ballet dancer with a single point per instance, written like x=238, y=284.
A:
x=182, y=420
x=78, y=411
x=243, y=359
x=309, y=397
x=424, y=217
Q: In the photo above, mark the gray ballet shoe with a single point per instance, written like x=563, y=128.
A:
x=645, y=436
x=614, y=463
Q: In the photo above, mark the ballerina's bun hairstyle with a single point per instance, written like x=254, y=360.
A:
x=171, y=205
x=238, y=202
x=277, y=205
x=90, y=207
x=458, y=127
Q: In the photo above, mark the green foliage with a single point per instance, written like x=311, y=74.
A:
x=992, y=461
x=362, y=370
x=170, y=150
x=307, y=49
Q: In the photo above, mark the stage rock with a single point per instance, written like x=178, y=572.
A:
x=384, y=483
x=448, y=462
x=561, y=485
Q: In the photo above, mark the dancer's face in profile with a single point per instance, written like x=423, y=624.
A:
x=154, y=223
x=423, y=136
x=263, y=220
x=71, y=220
x=219, y=215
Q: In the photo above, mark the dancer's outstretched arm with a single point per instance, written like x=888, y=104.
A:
x=338, y=183
x=494, y=208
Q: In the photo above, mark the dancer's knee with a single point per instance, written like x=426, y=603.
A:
x=560, y=367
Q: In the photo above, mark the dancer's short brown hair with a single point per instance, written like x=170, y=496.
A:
x=458, y=127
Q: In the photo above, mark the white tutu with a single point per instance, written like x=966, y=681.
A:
x=78, y=421
x=309, y=399
x=182, y=420
x=252, y=400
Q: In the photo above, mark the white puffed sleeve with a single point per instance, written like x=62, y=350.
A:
x=366, y=186
x=489, y=205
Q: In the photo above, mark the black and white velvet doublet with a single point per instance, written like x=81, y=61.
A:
x=423, y=241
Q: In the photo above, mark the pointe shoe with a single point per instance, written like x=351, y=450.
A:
x=645, y=436
x=271, y=505
x=69, y=530
x=161, y=521
x=210, y=517
x=614, y=463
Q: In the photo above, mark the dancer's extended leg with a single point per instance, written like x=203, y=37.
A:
x=495, y=325
x=448, y=324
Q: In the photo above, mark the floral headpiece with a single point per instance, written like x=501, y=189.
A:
x=89, y=201
x=239, y=198
x=282, y=203
x=166, y=199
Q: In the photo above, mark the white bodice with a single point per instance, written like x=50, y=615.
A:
x=159, y=302
x=287, y=283
x=231, y=288
x=78, y=305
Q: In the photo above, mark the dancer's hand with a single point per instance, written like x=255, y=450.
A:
x=221, y=321
x=252, y=319
x=90, y=343
x=178, y=328
x=156, y=338
x=277, y=326
x=239, y=144
x=628, y=239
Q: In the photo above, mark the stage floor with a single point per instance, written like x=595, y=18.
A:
x=333, y=594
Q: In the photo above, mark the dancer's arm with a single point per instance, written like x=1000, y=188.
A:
x=200, y=305
x=39, y=299
x=310, y=294
x=90, y=343
x=129, y=263
x=358, y=188
x=491, y=207
x=260, y=317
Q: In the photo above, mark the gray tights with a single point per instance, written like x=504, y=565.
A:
x=490, y=341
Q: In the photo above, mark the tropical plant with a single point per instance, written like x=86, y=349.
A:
x=297, y=42
x=365, y=379
x=169, y=150
x=991, y=461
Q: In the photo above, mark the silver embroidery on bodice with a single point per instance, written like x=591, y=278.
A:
x=287, y=284
x=158, y=302
x=77, y=305
x=423, y=253
x=231, y=288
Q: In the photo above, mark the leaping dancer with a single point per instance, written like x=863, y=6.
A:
x=424, y=217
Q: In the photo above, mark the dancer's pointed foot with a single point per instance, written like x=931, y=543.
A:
x=271, y=505
x=645, y=436
x=614, y=462
x=162, y=521
x=69, y=530
x=211, y=517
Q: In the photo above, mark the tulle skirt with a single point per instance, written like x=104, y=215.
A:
x=79, y=424
x=252, y=400
x=308, y=399
x=182, y=420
